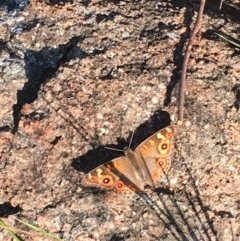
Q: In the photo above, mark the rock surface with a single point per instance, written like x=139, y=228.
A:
x=77, y=76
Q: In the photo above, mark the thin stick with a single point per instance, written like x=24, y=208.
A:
x=113, y=149
x=221, y=3
x=130, y=142
x=186, y=58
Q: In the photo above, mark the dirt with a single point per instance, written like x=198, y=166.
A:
x=79, y=76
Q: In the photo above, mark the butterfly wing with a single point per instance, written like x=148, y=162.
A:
x=146, y=165
x=156, y=152
x=118, y=174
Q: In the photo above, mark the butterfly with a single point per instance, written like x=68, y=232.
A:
x=146, y=165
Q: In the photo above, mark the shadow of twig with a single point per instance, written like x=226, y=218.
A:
x=197, y=227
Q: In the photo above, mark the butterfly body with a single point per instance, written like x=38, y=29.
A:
x=146, y=165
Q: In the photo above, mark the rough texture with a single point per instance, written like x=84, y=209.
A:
x=77, y=76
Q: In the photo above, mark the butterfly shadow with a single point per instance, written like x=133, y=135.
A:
x=101, y=154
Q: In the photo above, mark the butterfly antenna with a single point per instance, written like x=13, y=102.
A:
x=114, y=149
x=130, y=142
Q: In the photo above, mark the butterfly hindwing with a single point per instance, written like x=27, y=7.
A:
x=117, y=174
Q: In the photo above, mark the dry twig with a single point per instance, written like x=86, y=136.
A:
x=186, y=58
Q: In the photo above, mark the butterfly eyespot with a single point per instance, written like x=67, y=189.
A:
x=125, y=189
x=163, y=148
x=161, y=163
x=120, y=186
x=107, y=181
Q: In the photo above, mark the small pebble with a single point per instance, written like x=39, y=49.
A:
x=154, y=100
x=99, y=116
